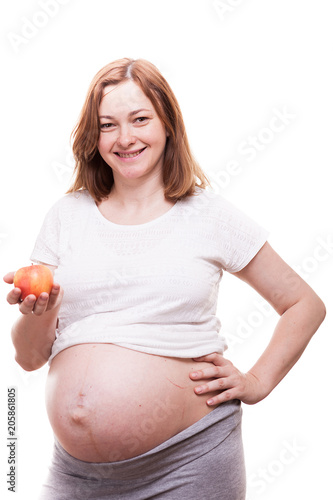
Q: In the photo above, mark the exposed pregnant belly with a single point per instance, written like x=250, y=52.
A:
x=107, y=403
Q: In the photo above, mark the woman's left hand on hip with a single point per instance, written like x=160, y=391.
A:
x=232, y=383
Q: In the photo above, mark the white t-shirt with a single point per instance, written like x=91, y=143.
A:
x=151, y=287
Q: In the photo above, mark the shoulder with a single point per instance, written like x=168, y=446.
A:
x=68, y=209
x=210, y=207
x=77, y=201
x=208, y=203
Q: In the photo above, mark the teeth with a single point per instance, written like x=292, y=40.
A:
x=132, y=155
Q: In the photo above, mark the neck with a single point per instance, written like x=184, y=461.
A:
x=137, y=196
x=138, y=193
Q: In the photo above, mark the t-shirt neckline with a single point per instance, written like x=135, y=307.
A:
x=136, y=226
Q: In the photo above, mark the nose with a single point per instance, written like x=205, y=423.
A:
x=125, y=137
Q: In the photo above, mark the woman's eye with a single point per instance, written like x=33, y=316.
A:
x=141, y=119
x=106, y=125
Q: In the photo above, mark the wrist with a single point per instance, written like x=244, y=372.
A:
x=261, y=387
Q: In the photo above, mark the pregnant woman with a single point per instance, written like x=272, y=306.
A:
x=141, y=400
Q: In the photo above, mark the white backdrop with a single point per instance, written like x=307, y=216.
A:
x=254, y=81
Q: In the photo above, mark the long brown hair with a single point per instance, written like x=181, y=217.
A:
x=181, y=172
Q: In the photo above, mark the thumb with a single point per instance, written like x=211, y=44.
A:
x=9, y=278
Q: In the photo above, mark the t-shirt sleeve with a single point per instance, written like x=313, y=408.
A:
x=47, y=244
x=241, y=237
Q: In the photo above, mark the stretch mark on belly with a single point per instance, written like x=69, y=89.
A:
x=83, y=381
x=173, y=383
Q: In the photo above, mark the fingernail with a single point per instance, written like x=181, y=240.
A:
x=198, y=390
x=210, y=401
x=194, y=374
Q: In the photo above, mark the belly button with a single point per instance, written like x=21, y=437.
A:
x=78, y=411
x=78, y=415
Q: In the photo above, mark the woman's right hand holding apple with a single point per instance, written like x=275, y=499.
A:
x=39, y=300
x=31, y=304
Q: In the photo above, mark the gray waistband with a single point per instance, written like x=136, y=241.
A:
x=191, y=443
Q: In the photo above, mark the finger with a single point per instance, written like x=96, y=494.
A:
x=211, y=372
x=207, y=357
x=54, y=296
x=223, y=397
x=215, y=358
x=9, y=278
x=14, y=296
x=219, y=384
x=27, y=306
x=41, y=304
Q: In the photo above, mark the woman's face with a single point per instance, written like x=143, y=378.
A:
x=132, y=136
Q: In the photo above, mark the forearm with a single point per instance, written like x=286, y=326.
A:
x=33, y=337
x=292, y=334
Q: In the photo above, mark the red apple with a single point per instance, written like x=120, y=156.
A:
x=33, y=279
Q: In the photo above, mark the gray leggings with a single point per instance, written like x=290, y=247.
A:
x=205, y=461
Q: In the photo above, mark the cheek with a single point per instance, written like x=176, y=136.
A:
x=156, y=138
x=104, y=144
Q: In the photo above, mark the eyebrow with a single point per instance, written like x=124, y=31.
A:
x=109, y=117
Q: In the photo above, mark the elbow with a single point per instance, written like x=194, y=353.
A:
x=24, y=365
x=322, y=310
x=29, y=366
x=318, y=310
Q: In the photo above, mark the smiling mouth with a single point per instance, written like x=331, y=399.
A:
x=130, y=155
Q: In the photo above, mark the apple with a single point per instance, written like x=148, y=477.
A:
x=33, y=279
